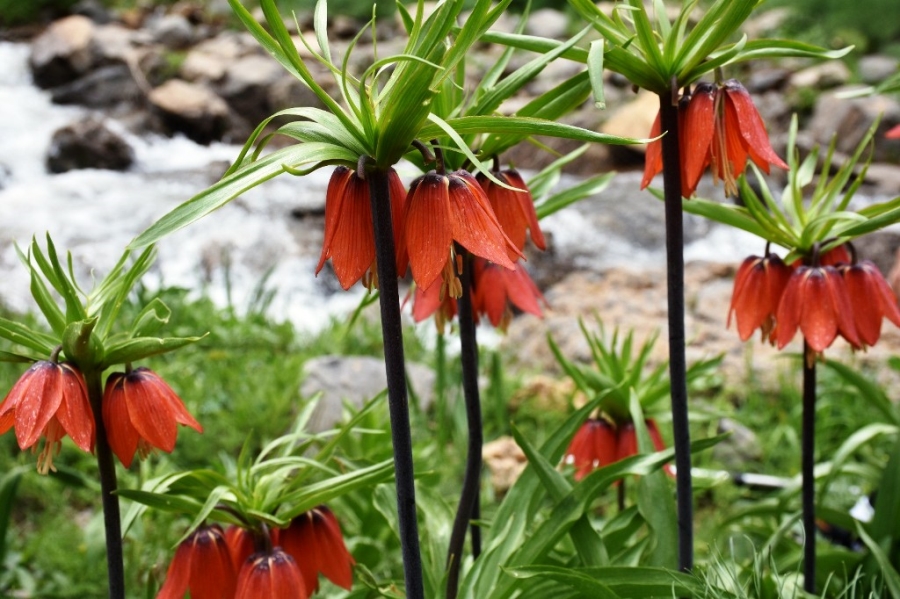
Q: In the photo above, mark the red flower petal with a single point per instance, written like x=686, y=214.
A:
x=627, y=444
x=75, y=413
x=653, y=157
x=787, y=318
x=473, y=223
x=120, y=432
x=273, y=576
x=818, y=320
x=751, y=127
x=353, y=242
x=398, y=197
x=179, y=573
x=37, y=397
x=893, y=132
x=697, y=136
x=149, y=412
x=428, y=232
x=526, y=201
x=842, y=307
x=334, y=200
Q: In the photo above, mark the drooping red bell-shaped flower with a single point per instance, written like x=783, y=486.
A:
x=815, y=301
x=497, y=289
x=273, y=575
x=758, y=287
x=141, y=412
x=443, y=209
x=202, y=566
x=871, y=300
x=349, y=234
x=592, y=447
x=315, y=542
x=51, y=401
x=514, y=209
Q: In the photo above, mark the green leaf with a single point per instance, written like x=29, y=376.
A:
x=525, y=126
x=151, y=318
x=858, y=439
x=655, y=500
x=20, y=334
x=297, y=502
x=241, y=180
x=885, y=522
x=215, y=496
x=139, y=348
x=162, y=501
x=870, y=391
x=595, y=72
x=626, y=582
x=587, y=542
x=886, y=569
x=81, y=344
x=770, y=48
x=572, y=194
x=584, y=584
x=9, y=485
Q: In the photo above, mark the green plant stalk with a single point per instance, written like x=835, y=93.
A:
x=469, y=504
x=112, y=519
x=808, y=464
x=668, y=112
x=398, y=403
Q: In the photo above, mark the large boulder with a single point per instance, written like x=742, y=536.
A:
x=191, y=109
x=63, y=52
x=88, y=144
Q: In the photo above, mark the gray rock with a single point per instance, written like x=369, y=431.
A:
x=172, y=30
x=94, y=10
x=88, y=144
x=191, y=109
x=875, y=68
x=548, y=22
x=821, y=76
x=850, y=118
x=106, y=87
x=246, y=86
x=765, y=79
x=63, y=52
x=741, y=447
x=356, y=380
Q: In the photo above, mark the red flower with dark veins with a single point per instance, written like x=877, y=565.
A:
x=758, y=287
x=871, y=300
x=51, y=401
x=815, y=301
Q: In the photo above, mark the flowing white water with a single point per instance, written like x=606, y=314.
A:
x=94, y=214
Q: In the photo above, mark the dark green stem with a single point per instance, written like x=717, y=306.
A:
x=469, y=504
x=392, y=332
x=111, y=516
x=808, y=471
x=668, y=112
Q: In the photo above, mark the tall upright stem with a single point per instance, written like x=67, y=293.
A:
x=111, y=516
x=392, y=333
x=469, y=504
x=808, y=471
x=668, y=112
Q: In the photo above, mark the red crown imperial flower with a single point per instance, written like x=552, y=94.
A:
x=315, y=542
x=203, y=566
x=51, y=401
x=141, y=412
x=349, y=235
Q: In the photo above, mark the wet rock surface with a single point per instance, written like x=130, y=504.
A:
x=88, y=143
